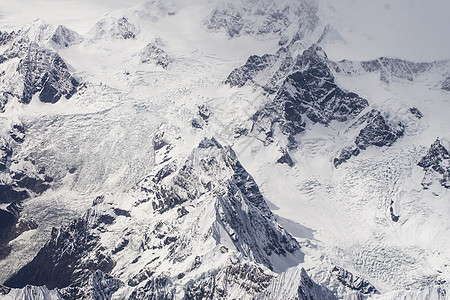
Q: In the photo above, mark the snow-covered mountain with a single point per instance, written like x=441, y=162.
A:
x=213, y=150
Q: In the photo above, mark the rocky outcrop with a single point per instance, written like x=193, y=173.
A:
x=311, y=92
x=436, y=163
x=12, y=225
x=268, y=71
x=209, y=202
x=236, y=281
x=255, y=64
x=154, y=54
x=215, y=170
x=159, y=287
x=416, y=112
x=40, y=72
x=286, y=159
x=116, y=28
x=70, y=257
x=389, y=68
x=353, y=282
x=446, y=84
x=263, y=17
x=19, y=178
x=64, y=37
x=6, y=37
x=45, y=74
x=295, y=284
x=376, y=130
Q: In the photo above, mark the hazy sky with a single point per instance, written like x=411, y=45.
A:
x=79, y=15
x=412, y=29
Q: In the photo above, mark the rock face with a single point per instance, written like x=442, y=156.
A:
x=39, y=71
x=70, y=258
x=295, y=284
x=353, y=282
x=311, y=92
x=262, y=17
x=6, y=37
x=45, y=74
x=116, y=28
x=446, y=84
x=65, y=37
x=376, y=131
x=209, y=202
x=19, y=179
x=152, y=53
x=233, y=282
x=31, y=293
x=389, y=68
x=255, y=64
x=436, y=162
x=11, y=226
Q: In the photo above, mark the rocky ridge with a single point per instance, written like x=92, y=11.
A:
x=436, y=163
x=238, y=236
x=38, y=71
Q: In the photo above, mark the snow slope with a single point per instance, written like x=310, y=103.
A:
x=152, y=87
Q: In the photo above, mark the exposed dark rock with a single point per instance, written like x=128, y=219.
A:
x=254, y=64
x=11, y=226
x=64, y=259
x=394, y=217
x=9, y=194
x=126, y=30
x=167, y=170
x=6, y=37
x=7, y=224
x=295, y=283
x=246, y=277
x=158, y=141
x=65, y=37
x=286, y=159
x=43, y=72
x=153, y=53
x=353, y=282
x=182, y=211
x=389, y=68
x=204, y=112
x=262, y=18
x=437, y=160
x=5, y=155
x=156, y=288
x=140, y=277
x=198, y=123
x=230, y=20
x=416, y=112
x=376, y=132
x=36, y=185
x=17, y=133
x=103, y=286
x=4, y=290
x=238, y=132
x=446, y=84
x=121, y=212
x=47, y=74
x=311, y=92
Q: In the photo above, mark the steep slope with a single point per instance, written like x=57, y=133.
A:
x=29, y=69
x=206, y=215
x=337, y=150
